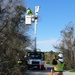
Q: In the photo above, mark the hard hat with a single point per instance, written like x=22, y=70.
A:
x=60, y=55
x=19, y=59
x=25, y=56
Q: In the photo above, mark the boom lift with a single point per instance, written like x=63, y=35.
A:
x=35, y=58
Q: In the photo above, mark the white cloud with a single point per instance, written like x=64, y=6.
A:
x=47, y=44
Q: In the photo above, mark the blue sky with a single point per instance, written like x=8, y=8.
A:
x=53, y=16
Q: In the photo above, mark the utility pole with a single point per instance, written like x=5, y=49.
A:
x=32, y=18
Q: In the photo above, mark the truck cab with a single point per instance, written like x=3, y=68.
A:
x=36, y=60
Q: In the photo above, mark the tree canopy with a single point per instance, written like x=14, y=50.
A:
x=67, y=45
x=13, y=36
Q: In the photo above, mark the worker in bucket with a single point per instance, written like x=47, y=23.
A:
x=29, y=12
x=58, y=65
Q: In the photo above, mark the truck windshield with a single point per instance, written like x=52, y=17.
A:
x=35, y=56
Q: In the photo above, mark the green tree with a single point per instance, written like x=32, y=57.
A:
x=67, y=45
x=13, y=36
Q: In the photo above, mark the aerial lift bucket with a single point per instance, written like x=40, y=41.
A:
x=28, y=19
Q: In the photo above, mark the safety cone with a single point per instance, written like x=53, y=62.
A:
x=62, y=74
x=40, y=66
x=51, y=72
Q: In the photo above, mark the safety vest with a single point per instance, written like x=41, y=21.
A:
x=19, y=62
x=29, y=12
x=59, y=66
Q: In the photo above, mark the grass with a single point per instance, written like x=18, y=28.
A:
x=72, y=70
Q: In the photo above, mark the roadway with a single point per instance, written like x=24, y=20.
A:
x=46, y=71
